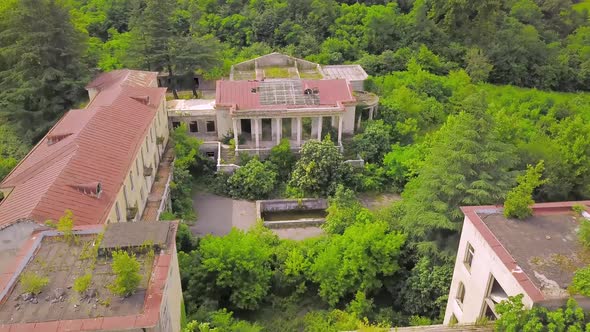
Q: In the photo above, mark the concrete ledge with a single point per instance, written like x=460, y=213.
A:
x=295, y=223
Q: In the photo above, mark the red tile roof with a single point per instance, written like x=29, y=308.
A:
x=239, y=96
x=96, y=144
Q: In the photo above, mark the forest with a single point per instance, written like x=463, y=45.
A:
x=471, y=93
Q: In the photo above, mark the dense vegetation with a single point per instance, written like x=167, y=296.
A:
x=457, y=125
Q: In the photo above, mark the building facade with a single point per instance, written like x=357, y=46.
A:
x=99, y=162
x=499, y=257
x=276, y=97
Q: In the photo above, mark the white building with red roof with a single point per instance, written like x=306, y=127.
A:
x=500, y=257
x=99, y=162
x=276, y=97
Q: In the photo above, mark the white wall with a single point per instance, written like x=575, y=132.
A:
x=348, y=120
x=485, y=262
x=224, y=123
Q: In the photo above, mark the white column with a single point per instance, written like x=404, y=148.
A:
x=236, y=139
x=279, y=130
x=320, y=121
x=299, y=131
x=256, y=132
x=371, y=113
x=340, y=130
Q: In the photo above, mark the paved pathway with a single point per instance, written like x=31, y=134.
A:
x=217, y=215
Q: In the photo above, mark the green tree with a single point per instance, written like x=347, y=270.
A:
x=283, y=159
x=255, y=180
x=520, y=198
x=238, y=266
x=374, y=142
x=162, y=46
x=343, y=210
x=126, y=268
x=467, y=165
x=477, y=65
x=581, y=282
x=356, y=260
x=42, y=73
x=320, y=168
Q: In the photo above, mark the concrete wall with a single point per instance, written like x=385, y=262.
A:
x=201, y=124
x=149, y=154
x=348, y=120
x=170, y=310
x=224, y=122
x=485, y=263
x=358, y=85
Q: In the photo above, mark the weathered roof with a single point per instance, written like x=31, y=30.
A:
x=135, y=234
x=542, y=251
x=96, y=144
x=59, y=308
x=347, y=72
x=281, y=94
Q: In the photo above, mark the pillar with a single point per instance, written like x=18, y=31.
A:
x=236, y=136
x=299, y=131
x=340, y=130
x=371, y=109
x=257, y=132
x=320, y=121
x=279, y=129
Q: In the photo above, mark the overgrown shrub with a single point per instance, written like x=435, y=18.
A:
x=33, y=283
x=282, y=159
x=82, y=283
x=255, y=180
x=581, y=282
x=126, y=268
x=520, y=198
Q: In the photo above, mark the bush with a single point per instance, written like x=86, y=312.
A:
x=581, y=282
x=255, y=180
x=81, y=283
x=126, y=268
x=520, y=198
x=167, y=215
x=33, y=283
x=584, y=233
x=283, y=159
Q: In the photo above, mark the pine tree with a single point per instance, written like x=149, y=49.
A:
x=42, y=73
x=161, y=46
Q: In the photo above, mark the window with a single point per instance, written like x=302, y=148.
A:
x=210, y=126
x=125, y=195
x=469, y=253
x=460, y=294
x=175, y=124
x=131, y=180
x=194, y=127
x=141, y=194
x=152, y=134
x=210, y=154
x=117, y=211
x=137, y=165
x=147, y=146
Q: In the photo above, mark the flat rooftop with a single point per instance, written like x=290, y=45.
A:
x=544, y=246
x=347, y=72
x=191, y=105
x=50, y=256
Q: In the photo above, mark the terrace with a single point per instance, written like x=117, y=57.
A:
x=61, y=261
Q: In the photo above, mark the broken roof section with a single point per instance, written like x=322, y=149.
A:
x=58, y=307
x=543, y=250
x=91, y=145
x=283, y=94
x=282, y=66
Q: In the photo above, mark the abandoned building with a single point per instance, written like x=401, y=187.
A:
x=500, y=257
x=277, y=96
x=59, y=305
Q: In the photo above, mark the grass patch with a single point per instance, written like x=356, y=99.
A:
x=310, y=75
x=581, y=6
x=33, y=283
x=276, y=72
x=183, y=320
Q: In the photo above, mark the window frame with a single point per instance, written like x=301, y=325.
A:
x=460, y=294
x=190, y=126
x=207, y=126
x=468, y=256
x=117, y=211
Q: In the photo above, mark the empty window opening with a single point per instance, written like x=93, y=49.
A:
x=469, y=253
x=460, y=297
x=210, y=126
x=193, y=127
